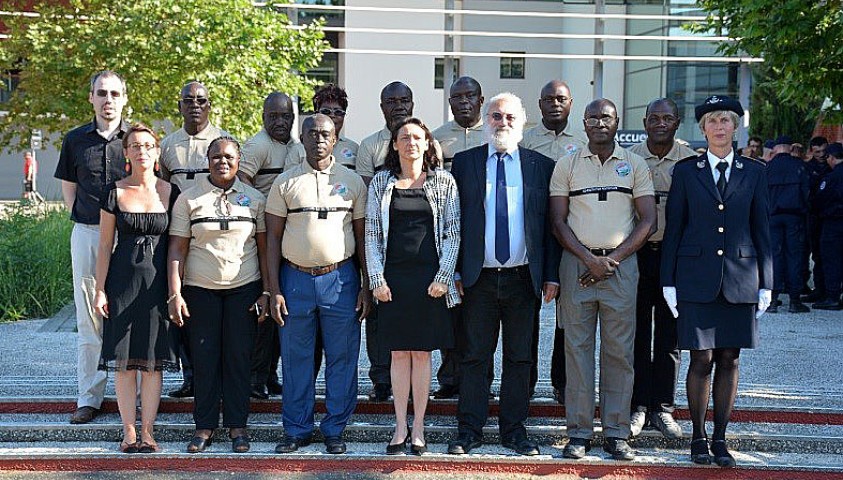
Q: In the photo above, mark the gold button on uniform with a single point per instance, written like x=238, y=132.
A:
x=720, y=207
x=720, y=229
x=720, y=253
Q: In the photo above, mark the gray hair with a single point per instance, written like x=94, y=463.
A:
x=508, y=97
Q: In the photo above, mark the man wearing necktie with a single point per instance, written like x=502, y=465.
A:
x=507, y=261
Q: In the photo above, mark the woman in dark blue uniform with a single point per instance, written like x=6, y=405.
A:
x=717, y=268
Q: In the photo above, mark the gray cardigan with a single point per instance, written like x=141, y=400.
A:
x=441, y=191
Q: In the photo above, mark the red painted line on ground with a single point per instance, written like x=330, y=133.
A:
x=446, y=408
x=285, y=464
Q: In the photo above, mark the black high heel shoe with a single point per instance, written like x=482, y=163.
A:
x=721, y=454
x=699, y=451
x=398, y=448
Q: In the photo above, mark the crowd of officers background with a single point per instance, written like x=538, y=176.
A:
x=640, y=377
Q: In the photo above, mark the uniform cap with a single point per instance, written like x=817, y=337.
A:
x=835, y=149
x=718, y=102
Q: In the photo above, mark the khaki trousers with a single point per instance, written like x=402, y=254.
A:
x=84, y=241
x=612, y=301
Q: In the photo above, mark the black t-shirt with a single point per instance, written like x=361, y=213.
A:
x=91, y=162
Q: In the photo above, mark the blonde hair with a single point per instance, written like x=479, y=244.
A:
x=718, y=114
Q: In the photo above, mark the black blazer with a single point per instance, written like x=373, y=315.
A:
x=712, y=244
x=543, y=252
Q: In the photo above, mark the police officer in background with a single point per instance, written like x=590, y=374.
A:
x=554, y=138
x=788, y=183
x=656, y=352
x=818, y=168
x=830, y=199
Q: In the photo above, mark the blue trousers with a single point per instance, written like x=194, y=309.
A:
x=330, y=300
x=787, y=234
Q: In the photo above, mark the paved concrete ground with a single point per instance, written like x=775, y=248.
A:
x=798, y=364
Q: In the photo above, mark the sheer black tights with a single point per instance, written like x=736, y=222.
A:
x=698, y=384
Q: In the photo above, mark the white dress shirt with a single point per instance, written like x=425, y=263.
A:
x=713, y=160
x=515, y=209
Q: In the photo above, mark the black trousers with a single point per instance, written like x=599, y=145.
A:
x=656, y=353
x=449, y=371
x=502, y=301
x=815, y=227
x=831, y=244
x=180, y=340
x=558, y=377
x=222, y=337
x=787, y=235
x=266, y=354
x=380, y=358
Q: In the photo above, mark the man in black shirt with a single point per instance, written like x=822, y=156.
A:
x=91, y=157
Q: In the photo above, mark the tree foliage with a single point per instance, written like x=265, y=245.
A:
x=772, y=116
x=239, y=51
x=801, y=42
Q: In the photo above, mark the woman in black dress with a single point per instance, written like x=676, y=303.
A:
x=412, y=239
x=131, y=289
x=717, y=268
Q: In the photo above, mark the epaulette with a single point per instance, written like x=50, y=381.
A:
x=691, y=157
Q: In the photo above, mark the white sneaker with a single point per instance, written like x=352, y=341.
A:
x=637, y=421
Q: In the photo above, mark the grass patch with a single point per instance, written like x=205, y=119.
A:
x=36, y=279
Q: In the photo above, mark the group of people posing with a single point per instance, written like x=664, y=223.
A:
x=197, y=253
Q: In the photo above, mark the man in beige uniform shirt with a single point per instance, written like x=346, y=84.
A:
x=466, y=129
x=315, y=220
x=184, y=162
x=184, y=152
x=656, y=352
x=596, y=195
x=267, y=154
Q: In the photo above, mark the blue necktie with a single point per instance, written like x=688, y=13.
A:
x=501, y=213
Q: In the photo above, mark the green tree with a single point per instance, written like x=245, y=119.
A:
x=239, y=51
x=772, y=116
x=801, y=42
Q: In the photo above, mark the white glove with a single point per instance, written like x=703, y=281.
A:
x=669, y=294
x=765, y=297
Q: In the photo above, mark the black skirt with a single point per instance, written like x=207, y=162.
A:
x=413, y=320
x=717, y=324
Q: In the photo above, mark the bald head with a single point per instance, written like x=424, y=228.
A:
x=278, y=116
x=466, y=99
x=194, y=107
x=318, y=137
x=601, y=123
x=396, y=103
x=661, y=121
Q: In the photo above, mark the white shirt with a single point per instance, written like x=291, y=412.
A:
x=713, y=160
x=515, y=209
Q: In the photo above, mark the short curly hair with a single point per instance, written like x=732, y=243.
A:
x=327, y=93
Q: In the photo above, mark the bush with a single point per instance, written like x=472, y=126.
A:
x=36, y=278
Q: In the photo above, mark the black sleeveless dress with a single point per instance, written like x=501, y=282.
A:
x=413, y=320
x=136, y=333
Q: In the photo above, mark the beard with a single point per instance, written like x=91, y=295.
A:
x=503, y=138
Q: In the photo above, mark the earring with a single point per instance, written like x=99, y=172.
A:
x=128, y=166
x=157, y=166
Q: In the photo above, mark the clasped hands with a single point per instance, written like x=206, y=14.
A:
x=599, y=269
x=765, y=297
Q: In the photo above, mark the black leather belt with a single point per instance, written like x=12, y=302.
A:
x=654, y=246
x=601, y=252
x=519, y=268
x=317, y=271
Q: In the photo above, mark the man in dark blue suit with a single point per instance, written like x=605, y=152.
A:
x=507, y=258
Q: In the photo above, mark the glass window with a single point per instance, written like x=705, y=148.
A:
x=439, y=72
x=512, y=67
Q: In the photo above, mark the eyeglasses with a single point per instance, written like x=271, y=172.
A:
x=593, y=122
x=336, y=112
x=142, y=146
x=201, y=101
x=108, y=93
x=498, y=116
x=560, y=98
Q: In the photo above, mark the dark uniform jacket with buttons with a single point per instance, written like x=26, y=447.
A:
x=788, y=180
x=829, y=195
x=713, y=244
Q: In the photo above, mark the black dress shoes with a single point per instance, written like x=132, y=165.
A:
x=186, y=391
x=290, y=444
x=446, y=391
x=258, y=392
x=199, y=444
x=380, y=392
x=522, y=446
x=463, y=444
x=618, y=448
x=721, y=455
x=576, y=448
x=798, y=307
x=699, y=451
x=559, y=396
x=240, y=444
x=828, y=304
x=274, y=387
x=334, y=445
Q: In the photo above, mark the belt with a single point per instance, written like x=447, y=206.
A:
x=317, y=271
x=518, y=268
x=655, y=246
x=601, y=252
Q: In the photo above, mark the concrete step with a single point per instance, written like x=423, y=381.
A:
x=176, y=427
x=366, y=460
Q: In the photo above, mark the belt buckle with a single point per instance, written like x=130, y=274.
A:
x=314, y=271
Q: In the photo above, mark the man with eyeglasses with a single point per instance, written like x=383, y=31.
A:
x=183, y=159
x=270, y=152
x=396, y=105
x=555, y=138
x=656, y=361
x=603, y=209
x=184, y=162
x=507, y=261
x=91, y=157
x=331, y=100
